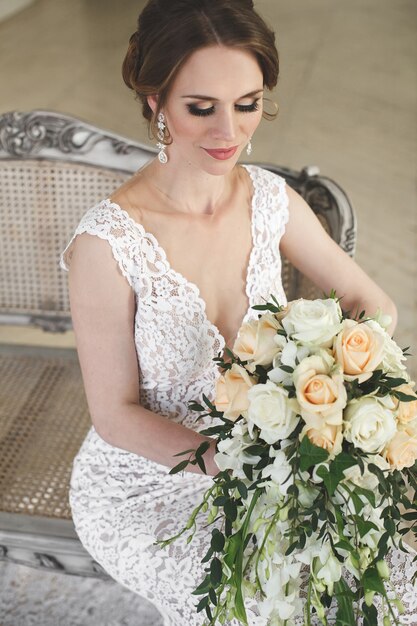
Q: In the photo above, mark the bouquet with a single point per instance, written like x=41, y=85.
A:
x=315, y=420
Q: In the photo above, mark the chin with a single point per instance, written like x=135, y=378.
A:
x=219, y=168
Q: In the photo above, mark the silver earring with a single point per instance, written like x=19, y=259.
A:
x=162, y=156
x=249, y=147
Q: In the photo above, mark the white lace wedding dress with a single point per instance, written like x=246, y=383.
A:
x=121, y=502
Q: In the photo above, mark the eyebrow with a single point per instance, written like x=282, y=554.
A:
x=200, y=97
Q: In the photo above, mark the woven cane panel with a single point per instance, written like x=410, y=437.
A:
x=43, y=420
x=41, y=202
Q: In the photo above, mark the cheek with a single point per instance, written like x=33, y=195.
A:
x=185, y=127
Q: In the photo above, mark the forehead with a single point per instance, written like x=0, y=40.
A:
x=220, y=72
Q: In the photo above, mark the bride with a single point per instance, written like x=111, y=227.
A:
x=162, y=275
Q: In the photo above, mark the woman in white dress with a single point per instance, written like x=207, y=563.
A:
x=162, y=275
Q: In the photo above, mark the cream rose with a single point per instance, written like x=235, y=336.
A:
x=406, y=411
x=401, y=450
x=256, y=340
x=313, y=321
x=320, y=387
x=232, y=392
x=369, y=425
x=272, y=411
x=359, y=349
x=328, y=436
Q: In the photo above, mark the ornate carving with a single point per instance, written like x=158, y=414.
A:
x=48, y=562
x=24, y=135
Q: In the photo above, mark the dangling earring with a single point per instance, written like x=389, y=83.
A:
x=163, y=158
x=249, y=147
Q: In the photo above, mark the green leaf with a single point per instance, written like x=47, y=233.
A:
x=215, y=572
x=220, y=500
x=343, y=544
x=286, y=368
x=195, y=406
x=367, y=493
x=256, y=450
x=379, y=474
x=335, y=473
x=203, y=587
x=342, y=462
x=201, y=464
x=243, y=490
x=370, y=615
x=248, y=471
x=364, y=526
x=403, y=397
x=389, y=525
x=357, y=502
x=207, y=556
x=344, y=596
x=217, y=540
x=371, y=581
x=209, y=404
x=310, y=454
x=213, y=596
x=179, y=467
x=185, y=452
x=202, y=604
x=230, y=510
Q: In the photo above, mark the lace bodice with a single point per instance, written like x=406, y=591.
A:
x=175, y=341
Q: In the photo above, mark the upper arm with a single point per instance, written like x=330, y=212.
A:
x=313, y=252
x=103, y=311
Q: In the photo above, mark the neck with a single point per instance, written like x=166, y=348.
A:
x=187, y=189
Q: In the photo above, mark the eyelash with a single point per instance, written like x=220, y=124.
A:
x=242, y=108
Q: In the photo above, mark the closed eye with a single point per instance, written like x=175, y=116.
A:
x=242, y=108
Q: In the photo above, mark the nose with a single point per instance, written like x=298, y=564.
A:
x=225, y=126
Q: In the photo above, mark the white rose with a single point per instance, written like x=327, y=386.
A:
x=369, y=425
x=313, y=321
x=393, y=356
x=367, y=480
x=272, y=411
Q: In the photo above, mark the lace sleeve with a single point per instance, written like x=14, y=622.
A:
x=110, y=227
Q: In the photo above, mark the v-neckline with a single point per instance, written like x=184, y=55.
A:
x=194, y=286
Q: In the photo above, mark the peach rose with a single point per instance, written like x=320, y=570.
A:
x=232, y=392
x=406, y=411
x=328, y=436
x=319, y=387
x=359, y=349
x=256, y=340
x=401, y=450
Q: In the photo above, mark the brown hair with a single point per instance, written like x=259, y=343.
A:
x=169, y=31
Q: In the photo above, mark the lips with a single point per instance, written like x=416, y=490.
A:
x=221, y=153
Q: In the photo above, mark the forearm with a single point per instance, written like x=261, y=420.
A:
x=143, y=432
x=370, y=305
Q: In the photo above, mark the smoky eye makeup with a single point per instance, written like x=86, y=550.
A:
x=203, y=111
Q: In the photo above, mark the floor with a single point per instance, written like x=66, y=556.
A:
x=347, y=96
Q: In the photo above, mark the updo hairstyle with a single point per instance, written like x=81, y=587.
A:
x=169, y=31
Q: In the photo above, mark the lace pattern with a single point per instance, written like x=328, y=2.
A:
x=121, y=502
